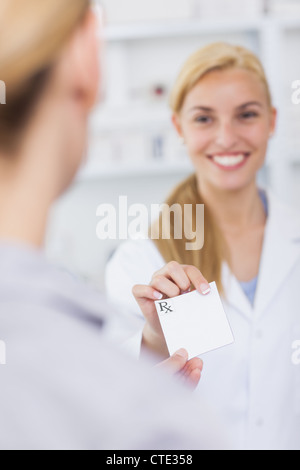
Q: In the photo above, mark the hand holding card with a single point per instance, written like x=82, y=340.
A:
x=194, y=322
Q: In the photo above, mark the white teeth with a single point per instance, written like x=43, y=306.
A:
x=229, y=160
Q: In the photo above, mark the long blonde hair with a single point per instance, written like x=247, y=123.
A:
x=217, y=56
x=32, y=34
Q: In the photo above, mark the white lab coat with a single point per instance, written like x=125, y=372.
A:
x=253, y=384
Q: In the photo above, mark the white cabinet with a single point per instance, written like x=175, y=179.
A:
x=120, y=11
x=133, y=149
x=131, y=131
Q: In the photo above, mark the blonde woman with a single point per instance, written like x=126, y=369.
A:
x=223, y=110
x=64, y=386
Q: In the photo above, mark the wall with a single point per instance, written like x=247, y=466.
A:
x=126, y=156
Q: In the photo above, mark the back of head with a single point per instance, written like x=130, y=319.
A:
x=32, y=35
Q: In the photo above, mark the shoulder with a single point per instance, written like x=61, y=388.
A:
x=137, y=258
x=144, y=247
x=134, y=262
x=60, y=370
x=284, y=216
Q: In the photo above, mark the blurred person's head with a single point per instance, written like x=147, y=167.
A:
x=222, y=108
x=49, y=63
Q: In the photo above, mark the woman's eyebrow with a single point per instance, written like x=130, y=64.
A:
x=202, y=108
x=250, y=103
x=206, y=109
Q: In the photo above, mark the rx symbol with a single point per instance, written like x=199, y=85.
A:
x=165, y=307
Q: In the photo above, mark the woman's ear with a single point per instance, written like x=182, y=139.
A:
x=177, y=124
x=83, y=62
x=274, y=115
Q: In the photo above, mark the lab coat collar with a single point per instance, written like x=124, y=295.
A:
x=234, y=294
x=281, y=251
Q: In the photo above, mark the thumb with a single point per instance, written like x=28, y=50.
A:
x=176, y=362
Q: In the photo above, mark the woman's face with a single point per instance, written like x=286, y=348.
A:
x=226, y=123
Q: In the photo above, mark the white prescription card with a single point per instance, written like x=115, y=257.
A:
x=195, y=322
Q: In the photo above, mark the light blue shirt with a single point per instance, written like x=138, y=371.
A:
x=250, y=287
x=66, y=387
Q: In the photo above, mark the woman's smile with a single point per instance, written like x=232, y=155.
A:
x=229, y=161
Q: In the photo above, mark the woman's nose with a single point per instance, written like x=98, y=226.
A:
x=226, y=136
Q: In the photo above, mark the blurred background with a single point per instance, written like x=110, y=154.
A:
x=133, y=150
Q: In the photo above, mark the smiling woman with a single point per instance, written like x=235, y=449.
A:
x=245, y=114
x=237, y=124
x=222, y=108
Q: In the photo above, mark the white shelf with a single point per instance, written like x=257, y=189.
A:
x=160, y=29
x=173, y=28
x=293, y=158
x=129, y=117
x=269, y=30
x=97, y=171
x=288, y=23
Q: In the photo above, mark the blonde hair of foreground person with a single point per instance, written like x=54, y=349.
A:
x=26, y=58
x=209, y=260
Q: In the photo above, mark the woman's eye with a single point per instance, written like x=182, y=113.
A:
x=203, y=119
x=249, y=115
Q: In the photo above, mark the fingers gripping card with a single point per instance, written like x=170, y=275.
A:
x=195, y=322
